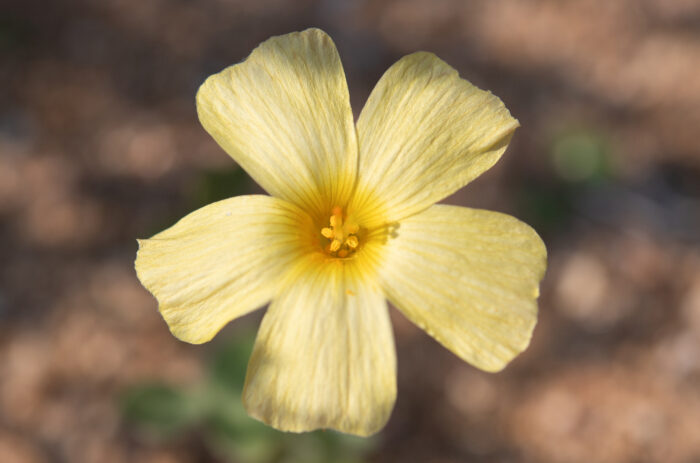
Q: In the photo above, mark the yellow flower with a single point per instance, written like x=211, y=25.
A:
x=350, y=222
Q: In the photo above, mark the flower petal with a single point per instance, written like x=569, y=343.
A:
x=423, y=134
x=470, y=278
x=284, y=115
x=324, y=356
x=220, y=262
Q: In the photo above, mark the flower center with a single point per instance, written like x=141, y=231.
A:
x=341, y=235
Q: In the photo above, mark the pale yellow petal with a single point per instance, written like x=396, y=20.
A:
x=324, y=356
x=284, y=115
x=220, y=262
x=470, y=278
x=423, y=134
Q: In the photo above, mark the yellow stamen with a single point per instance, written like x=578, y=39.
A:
x=341, y=234
x=335, y=245
x=352, y=242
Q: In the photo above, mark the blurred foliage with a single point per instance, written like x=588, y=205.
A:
x=580, y=157
x=546, y=207
x=209, y=187
x=161, y=409
x=14, y=34
x=220, y=184
x=214, y=410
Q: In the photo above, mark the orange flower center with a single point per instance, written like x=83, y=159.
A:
x=341, y=235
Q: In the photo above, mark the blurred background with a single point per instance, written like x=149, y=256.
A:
x=100, y=144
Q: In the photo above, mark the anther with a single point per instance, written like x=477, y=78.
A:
x=341, y=235
x=352, y=242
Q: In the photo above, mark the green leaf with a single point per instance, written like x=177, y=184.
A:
x=229, y=363
x=221, y=184
x=581, y=155
x=158, y=408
